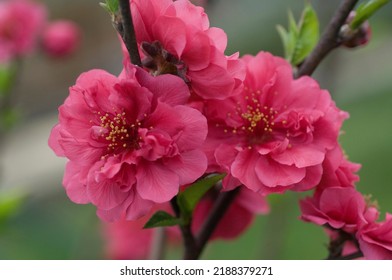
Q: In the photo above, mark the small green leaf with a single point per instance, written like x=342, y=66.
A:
x=365, y=11
x=9, y=205
x=188, y=199
x=308, y=35
x=111, y=6
x=301, y=38
x=162, y=219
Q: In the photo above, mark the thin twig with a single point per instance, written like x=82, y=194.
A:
x=329, y=40
x=352, y=256
x=128, y=32
x=217, y=212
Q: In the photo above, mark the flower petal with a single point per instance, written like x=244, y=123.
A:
x=156, y=182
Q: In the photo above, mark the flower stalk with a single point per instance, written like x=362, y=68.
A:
x=127, y=32
x=329, y=40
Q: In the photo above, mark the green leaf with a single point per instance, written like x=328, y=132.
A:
x=111, y=6
x=188, y=199
x=301, y=38
x=9, y=205
x=308, y=35
x=162, y=219
x=365, y=11
x=7, y=77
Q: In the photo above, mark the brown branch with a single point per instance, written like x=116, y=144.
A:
x=194, y=245
x=352, y=256
x=217, y=212
x=127, y=32
x=329, y=40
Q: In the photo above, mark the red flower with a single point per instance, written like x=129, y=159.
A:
x=130, y=141
x=275, y=135
x=175, y=38
x=20, y=24
x=60, y=38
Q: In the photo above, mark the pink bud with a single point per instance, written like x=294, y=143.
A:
x=358, y=37
x=60, y=38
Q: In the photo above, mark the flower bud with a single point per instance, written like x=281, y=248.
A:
x=60, y=38
x=353, y=38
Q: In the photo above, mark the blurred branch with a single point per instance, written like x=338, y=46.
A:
x=217, y=212
x=352, y=256
x=194, y=245
x=127, y=32
x=158, y=244
x=329, y=40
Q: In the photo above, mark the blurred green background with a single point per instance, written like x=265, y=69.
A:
x=46, y=225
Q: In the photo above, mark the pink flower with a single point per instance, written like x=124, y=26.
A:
x=130, y=141
x=236, y=219
x=20, y=24
x=274, y=136
x=60, y=38
x=340, y=208
x=127, y=240
x=338, y=171
x=175, y=38
x=375, y=240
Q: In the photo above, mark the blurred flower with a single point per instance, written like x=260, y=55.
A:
x=20, y=24
x=60, y=38
x=130, y=141
x=274, y=136
x=127, y=240
x=175, y=38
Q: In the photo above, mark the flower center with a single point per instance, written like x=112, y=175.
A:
x=257, y=120
x=118, y=133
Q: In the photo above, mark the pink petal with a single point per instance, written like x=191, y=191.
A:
x=53, y=141
x=219, y=38
x=218, y=88
x=312, y=178
x=300, y=156
x=189, y=166
x=197, y=52
x=273, y=174
x=103, y=192
x=75, y=183
x=171, y=32
x=243, y=168
x=80, y=152
x=167, y=88
x=195, y=128
x=311, y=213
x=189, y=13
x=156, y=182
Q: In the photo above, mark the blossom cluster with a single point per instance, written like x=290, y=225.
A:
x=24, y=24
x=134, y=140
x=349, y=217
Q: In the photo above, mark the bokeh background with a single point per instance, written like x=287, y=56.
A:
x=44, y=224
